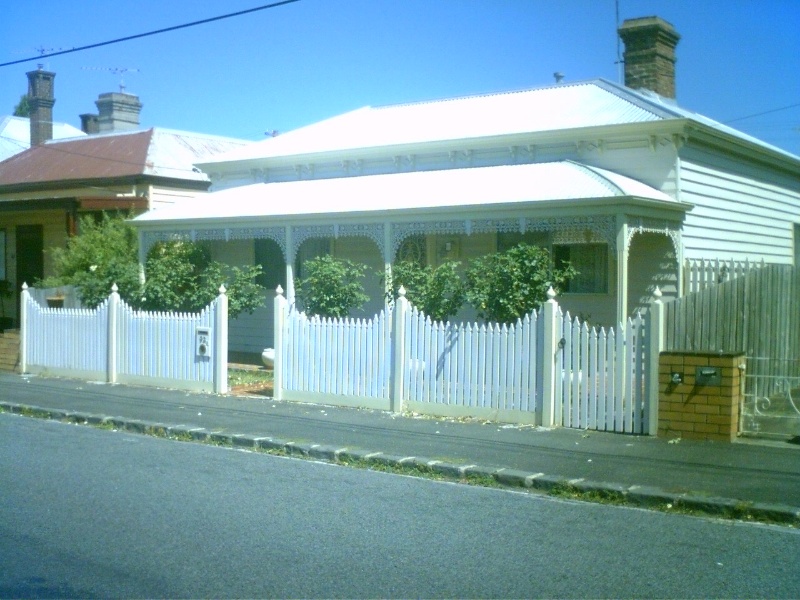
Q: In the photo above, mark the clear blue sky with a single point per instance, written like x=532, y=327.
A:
x=289, y=66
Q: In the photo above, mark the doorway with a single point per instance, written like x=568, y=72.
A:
x=30, y=255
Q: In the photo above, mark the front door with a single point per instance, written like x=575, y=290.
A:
x=30, y=254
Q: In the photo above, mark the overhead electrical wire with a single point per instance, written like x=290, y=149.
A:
x=149, y=33
x=766, y=112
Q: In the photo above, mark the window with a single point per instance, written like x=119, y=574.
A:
x=591, y=262
x=310, y=249
x=413, y=249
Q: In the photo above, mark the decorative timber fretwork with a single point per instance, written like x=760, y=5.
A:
x=564, y=230
x=645, y=225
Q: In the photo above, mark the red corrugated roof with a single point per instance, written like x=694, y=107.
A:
x=92, y=157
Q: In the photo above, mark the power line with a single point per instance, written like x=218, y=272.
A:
x=149, y=33
x=766, y=112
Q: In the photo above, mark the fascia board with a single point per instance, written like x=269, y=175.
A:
x=561, y=137
x=70, y=185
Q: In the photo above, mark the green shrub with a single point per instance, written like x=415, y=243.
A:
x=180, y=276
x=436, y=291
x=332, y=288
x=505, y=286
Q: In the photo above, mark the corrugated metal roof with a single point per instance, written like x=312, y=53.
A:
x=15, y=134
x=560, y=107
x=460, y=189
x=153, y=152
x=566, y=106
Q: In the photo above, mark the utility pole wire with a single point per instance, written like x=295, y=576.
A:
x=766, y=112
x=149, y=33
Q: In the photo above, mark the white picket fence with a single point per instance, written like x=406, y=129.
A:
x=342, y=357
x=118, y=344
x=545, y=369
x=472, y=366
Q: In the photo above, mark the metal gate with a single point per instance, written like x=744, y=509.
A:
x=771, y=399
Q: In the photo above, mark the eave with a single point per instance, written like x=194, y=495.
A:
x=123, y=181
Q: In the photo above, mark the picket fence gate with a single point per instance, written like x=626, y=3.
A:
x=117, y=344
x=546, y=369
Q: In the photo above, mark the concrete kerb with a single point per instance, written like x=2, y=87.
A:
x=644, y=496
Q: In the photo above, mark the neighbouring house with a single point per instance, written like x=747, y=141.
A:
x=618, y=179
x=117, y=166
x=15, y=134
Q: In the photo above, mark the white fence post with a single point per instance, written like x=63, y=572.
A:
x=278, y=363
x=655, y=341
x=220, y=357
x=111, y=335
x=398, y=349
x=23, y=329
x=549, y=349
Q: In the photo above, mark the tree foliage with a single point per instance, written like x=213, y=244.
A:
x=105, y=253
x=436, y=291
x=23, y=108
x=332, y=288
x=505, y=286
x=180, y=276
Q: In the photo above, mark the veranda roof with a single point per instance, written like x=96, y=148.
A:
x=468, y=188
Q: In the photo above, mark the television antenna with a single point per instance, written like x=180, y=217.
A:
x=42, y=51
x=116, y=71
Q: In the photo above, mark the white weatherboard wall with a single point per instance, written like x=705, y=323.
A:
x=741, y=212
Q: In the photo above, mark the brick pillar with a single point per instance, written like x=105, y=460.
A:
x=699, y=395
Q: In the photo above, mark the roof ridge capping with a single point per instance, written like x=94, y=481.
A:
x=477, y=95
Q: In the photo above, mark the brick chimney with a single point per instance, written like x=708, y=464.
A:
x=118, y=112
x=89, y=123
x=41, y=100
x=649, y=54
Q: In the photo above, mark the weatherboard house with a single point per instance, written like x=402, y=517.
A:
x=619, y=180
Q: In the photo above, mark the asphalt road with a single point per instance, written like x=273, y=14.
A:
x=94, y=513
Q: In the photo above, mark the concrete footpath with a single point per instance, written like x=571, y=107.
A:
x=751, y=479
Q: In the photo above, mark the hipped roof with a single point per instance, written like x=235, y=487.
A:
x=120, y=155
x=552, y=110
